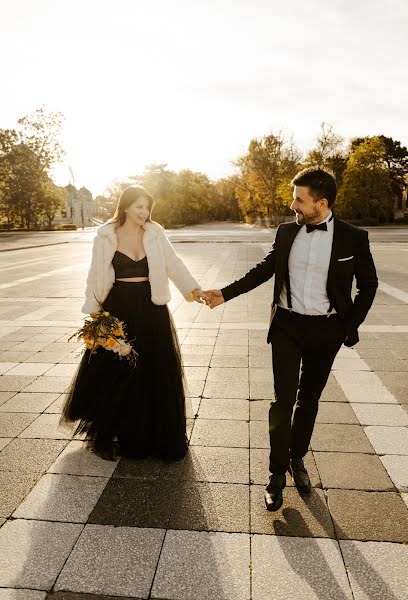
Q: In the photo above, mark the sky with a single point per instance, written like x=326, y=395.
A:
x=190, y=82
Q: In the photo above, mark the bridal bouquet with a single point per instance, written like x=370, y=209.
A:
x=103, y=330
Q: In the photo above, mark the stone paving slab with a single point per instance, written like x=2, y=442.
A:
x=336, y=412
x=32, y=553
x=376, y=570
x=211, y=506
x=15, y=383
x=227, y=361
x=205, y=565
x=30, y=455
x=13, y=489
x=12, y=424
x=135, y=503
x=79, y=596
x=352, y=471
x=4, y=396
x=224, y=408
x=148, y=469
x=230, y=389
x=6, y=367
x=56, y=406
x=46, y=426
x=49, y=384
x=13, y=594
x=298, y=568
x=77, y=460
x=126, y=559
x=333, y=393
x=259, y=410
x=27, y=368
x=330, y=437
x=300, y=515
x=259, y=434
x=261, y=391
x=60, y=497
x=28, y=402
x=380, y=414
x=213, y=432
x=4, y=442
x=217, y=465
x=397, y=468
x=368, y=516
x=388, y=440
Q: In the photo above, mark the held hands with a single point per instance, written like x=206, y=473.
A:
x=211, y=298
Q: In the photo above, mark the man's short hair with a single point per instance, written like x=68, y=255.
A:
x=321, y=183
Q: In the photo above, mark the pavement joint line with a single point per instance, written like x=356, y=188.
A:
x=24, y=264
x=39, y=314
x=33, y=247
x=393, y=291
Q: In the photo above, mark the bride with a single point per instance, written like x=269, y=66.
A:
x=137, y=412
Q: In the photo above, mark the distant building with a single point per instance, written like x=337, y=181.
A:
x=80, y=208
x=401, y=208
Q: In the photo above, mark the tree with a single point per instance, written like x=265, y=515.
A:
x=40, y=131
x=191, y=198
x=396, y=157
x=366, y=191
x=328, y=144
x=328, y=152
x=52, y=200
x=23, y=186
x=226, y=200
x=269, y=163
x=26, y=156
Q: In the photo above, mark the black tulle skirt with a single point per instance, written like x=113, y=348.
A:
x=140, y=411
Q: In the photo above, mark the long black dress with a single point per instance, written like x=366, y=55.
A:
x=141, y=410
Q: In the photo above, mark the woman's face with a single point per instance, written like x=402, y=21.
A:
x=138, y=212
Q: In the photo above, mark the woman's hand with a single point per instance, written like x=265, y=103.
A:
x=197, y=295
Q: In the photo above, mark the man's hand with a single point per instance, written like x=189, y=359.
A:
x=213, y=298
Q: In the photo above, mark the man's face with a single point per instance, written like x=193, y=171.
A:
x=307, y=209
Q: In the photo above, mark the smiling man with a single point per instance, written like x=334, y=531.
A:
x=314, y=260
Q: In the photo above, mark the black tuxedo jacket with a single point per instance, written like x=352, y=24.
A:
x=348, y=241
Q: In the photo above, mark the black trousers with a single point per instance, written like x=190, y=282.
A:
x=306, y=346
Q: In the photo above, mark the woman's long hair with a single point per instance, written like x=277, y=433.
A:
x=127, y=197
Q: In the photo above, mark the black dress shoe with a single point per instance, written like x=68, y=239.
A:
x=273, y=492
x=300, y=476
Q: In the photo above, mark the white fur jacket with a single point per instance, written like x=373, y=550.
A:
x=162, y=259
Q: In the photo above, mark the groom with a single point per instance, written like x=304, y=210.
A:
x=314, y=260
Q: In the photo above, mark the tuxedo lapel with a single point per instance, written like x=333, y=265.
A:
x=287, y=242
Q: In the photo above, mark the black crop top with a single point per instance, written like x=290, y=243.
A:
x=125, y=266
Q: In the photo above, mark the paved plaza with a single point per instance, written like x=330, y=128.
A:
x=76, y=527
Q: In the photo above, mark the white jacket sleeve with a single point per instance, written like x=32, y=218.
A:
x=177, y=270
x=91, y=305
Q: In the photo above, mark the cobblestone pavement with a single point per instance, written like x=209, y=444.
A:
x=75, y=527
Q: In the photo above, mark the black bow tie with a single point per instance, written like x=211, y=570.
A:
x=310, y=227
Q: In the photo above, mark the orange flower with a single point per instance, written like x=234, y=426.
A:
x=118, y=331
x=110, y=342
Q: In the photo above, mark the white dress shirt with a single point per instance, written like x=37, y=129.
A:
x=309, y=260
